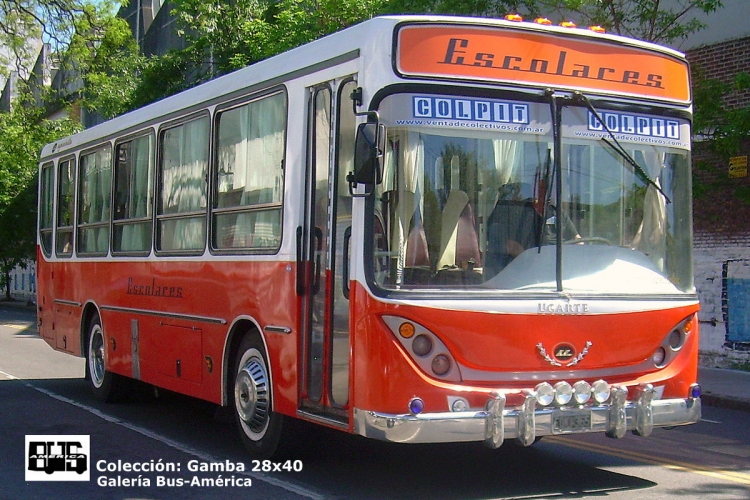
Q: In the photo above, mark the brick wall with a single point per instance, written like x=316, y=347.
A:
x=721, y=209
x=722, y=61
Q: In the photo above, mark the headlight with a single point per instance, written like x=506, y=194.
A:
x=545, y=394
x=581, y=392
x=600, y=390
x=563, y=393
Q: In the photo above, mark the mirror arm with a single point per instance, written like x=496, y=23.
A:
x=372, y=116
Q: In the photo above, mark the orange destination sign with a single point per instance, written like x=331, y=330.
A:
x=530, y=57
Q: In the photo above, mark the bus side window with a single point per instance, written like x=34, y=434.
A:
x=249, y=175
x=183, y=167
x=46, y=207
x=65, y=207
x=134, y=167
x=94, y=202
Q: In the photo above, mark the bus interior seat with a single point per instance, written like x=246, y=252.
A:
x=459, y=240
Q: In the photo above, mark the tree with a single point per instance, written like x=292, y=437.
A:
x=25, y=24
x=25, y=132
x=657, y=21
x=225, y=36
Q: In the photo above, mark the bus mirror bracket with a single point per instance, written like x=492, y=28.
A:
x=368, y=150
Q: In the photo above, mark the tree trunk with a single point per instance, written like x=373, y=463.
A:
x=7, y=286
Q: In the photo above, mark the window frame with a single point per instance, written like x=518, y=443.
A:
x=59, y=229
x=159, y=217
x=47, y=195
x=216, y=211
x=104, y=223
x=152, y=192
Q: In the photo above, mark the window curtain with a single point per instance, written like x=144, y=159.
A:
x=261, y=154
x=136, y=236
x=97, y=179
x=409, y=200
x=651, y=237
x=184, y=183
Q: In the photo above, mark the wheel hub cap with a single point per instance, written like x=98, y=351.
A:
x=251, y=395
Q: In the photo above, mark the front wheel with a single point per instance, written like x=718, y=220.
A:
x=259, y=426
x=105, y=385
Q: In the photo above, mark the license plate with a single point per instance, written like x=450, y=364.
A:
x=572, y=423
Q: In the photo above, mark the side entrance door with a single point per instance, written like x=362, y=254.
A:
x=324, y=238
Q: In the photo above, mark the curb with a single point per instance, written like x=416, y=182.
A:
x=723, y=401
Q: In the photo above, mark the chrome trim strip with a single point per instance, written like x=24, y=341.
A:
x=524, y=423
x=322, y=420
x=277, y=329
x=471, y=375
x=68, y=302
x=162, y=314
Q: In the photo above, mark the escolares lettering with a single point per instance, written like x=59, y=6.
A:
x=226, y=466
x=153, y=290
x=459, y=53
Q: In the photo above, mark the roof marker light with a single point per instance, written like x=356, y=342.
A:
x=513, y=17
x=597, y=29
x=568, y=24
x=543, y=20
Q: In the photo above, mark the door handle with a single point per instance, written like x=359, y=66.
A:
x=345, y=271
x=318, y=236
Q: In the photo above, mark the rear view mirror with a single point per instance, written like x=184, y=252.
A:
x=367, y=156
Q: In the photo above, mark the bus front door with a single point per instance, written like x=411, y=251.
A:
x=324, y=386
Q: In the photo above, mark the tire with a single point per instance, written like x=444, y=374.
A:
x=105, y=385
x=258, y=425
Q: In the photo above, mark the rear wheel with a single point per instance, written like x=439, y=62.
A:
x=259, y=426
x=105, y=385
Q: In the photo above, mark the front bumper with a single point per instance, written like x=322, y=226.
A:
x=527, y=422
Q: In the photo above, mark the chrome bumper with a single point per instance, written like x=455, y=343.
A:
x=525, y=423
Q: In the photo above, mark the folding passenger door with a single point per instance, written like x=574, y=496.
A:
x=324, y=239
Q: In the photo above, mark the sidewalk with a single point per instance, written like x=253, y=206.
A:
x=725, y=388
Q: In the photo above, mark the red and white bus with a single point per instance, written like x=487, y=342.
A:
x=418, y=229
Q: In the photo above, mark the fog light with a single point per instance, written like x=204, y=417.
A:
x=600, y=389
x=581, y=392
x=422, y=345
x=416, y=406
x=545, y=394
x=441, y=364
x=563, y=393
x=459, y=405
x=659, y=356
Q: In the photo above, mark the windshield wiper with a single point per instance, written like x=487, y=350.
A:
x=617, y=147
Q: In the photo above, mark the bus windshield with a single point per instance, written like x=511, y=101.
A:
x=473, y=198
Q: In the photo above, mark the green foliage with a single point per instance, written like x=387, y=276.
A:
x=648, y=20
x=225, y=36
x=103, y=55
x=724, y=126
x=24, y=135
